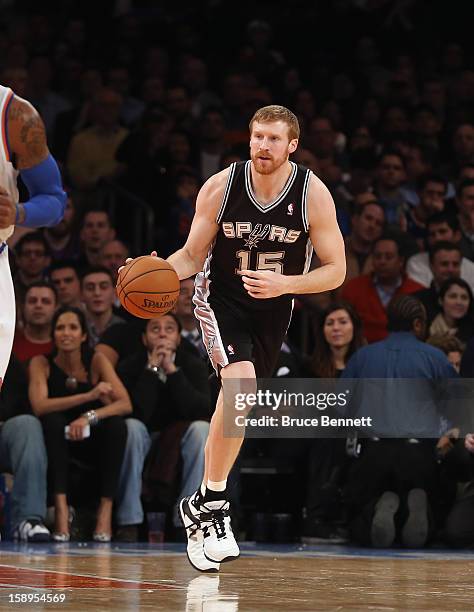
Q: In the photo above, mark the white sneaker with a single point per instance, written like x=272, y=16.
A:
x=189, y=514
x=31, y=530
x=219, y=540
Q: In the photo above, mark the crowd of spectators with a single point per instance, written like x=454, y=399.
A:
x=153, y=103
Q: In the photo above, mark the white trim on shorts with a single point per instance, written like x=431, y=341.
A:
x=211, y=335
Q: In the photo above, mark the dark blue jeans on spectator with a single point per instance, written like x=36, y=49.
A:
x=23, y=454
x=129, y=509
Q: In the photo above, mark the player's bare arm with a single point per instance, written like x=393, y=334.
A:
x=329, y=247
x=26, y=134
x=39, y=171
x=189, y=260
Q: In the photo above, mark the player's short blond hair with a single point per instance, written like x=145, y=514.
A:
x=275, y=112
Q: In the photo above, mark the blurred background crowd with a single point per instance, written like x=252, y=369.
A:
x=142, y=102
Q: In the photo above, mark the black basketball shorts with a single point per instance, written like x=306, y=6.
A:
x=232, y=333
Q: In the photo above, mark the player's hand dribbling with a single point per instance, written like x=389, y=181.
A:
x=7, y=209
x=129, y=259
x=264, y=284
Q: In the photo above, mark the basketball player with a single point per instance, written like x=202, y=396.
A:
x=23, y=151
x=250, y=245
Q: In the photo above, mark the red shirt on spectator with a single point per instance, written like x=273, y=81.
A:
x=362, y=293
x=25, y=349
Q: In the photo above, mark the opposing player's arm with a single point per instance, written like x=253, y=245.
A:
x=26, y=134
x=26, y=137
x=327, y=242
x=189, y=260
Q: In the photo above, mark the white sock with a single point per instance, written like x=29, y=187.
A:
x=203, y=489
x=217, y=485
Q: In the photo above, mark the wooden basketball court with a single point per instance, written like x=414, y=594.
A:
x=158, y=577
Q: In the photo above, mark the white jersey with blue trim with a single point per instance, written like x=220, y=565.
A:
x=8, y=174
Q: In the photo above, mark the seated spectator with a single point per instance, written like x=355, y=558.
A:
x=467, y=361
x=113, y=255
x=98, y=295
x=118, y=79
x=462, y=147
x=431, y=191
x=445, y=263
x=290, y=363
x=322, y=142
x=371, y=294
x=465, y=202
x=143, y=156
x=367, y=226
x=62, y=240
x=73, y=388
x=390, y=177
x=440, y=227
x=451, y=346
x=34, y=338
x=91, y=155
x=419, y=162
x=96, y=232
x=75, y=120
x=118, y=342
x=182, y=211
x=338, y=336
x=32, y=260
x=41, y=95
x=170, y=391
x=457, y=311
x=23, y=454
x=184, y=311
x=459, y=527
x=64, y=276
x=211, y=141
x=391, y=486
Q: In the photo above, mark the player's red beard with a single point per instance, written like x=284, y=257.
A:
x=268, y=166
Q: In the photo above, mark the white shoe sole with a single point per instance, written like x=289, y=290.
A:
x=224, y=560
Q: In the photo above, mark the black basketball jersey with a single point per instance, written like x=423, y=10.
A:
x=255, y=237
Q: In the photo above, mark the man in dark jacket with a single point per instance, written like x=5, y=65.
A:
x=389, y=486
x=171, y=407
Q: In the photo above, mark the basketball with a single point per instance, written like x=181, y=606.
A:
x=148, y=287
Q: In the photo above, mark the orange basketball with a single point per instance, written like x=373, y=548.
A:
x=148, y=287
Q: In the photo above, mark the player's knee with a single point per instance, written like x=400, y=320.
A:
x=239, y=370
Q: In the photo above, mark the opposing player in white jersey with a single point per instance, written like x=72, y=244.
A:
x=24, y=152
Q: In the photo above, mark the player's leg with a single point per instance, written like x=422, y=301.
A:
x=206, y=512
x=7, y=311
x=221, y=452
